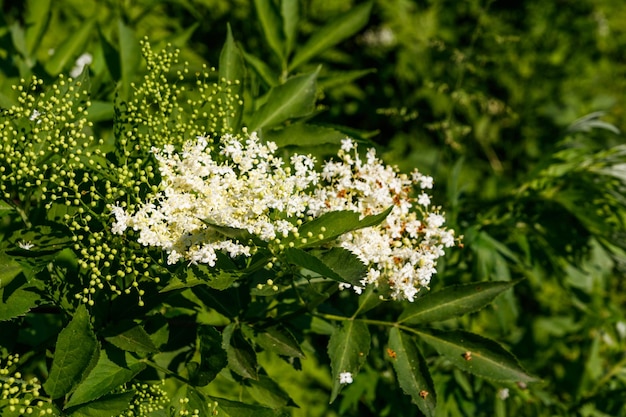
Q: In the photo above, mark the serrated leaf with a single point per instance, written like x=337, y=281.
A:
x=213, y=356
x=312, y=263
x=269, y=393
x=193, y=399
x=75, y=349
x=334, y=32
x=478, y=355
x=276, y=339
x=241, y=356
x=70, y=49
x=114, y=368
x=348, y=348
x=294, y=98
x=336, y=223
x=272, y=27
x=304, y=134
x=453, y=301
x=412, y=371
x=130, y=337
x=237, y=409
x=107, y=406
x=345, y=264
x=231, y=70
x=17, y=297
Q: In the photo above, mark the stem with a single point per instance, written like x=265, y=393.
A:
x=165, y=371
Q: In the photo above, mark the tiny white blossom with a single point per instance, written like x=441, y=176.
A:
x=82, y=61
x=25, y=245
x=345, y=378
x=35, y=116
x=503, y=393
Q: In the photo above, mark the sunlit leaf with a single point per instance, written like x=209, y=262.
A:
x=130, y=337
x=412, y=371
x=475, y=354
x=231, y=70
x=268, y=393
x=334, y=32
x=70, y=49
x=348, y=348
x=290, y=13
x=37, y=18
x=114, y=368
x=272, y=27
x=74, y=351
x=106, y=406
x=276, y=339
x=453, y=301
x=304, y=134
x=294, y=98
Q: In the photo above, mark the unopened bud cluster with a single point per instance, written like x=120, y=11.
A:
x=21, y=396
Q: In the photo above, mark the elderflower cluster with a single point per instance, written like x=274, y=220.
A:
x=21, y=396
x=246, y=187
x=220, y=200
x=403, y=250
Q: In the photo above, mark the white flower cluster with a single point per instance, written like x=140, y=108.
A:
x=246, y=186
x=404, y=248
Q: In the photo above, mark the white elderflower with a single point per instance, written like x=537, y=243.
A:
x=402, y=251
x=345, y=378
x=210, y=198
x=242, y=186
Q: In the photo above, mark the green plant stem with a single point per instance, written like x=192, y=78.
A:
x=165, y=371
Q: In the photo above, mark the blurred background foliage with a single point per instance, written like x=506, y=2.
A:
x=514, y=107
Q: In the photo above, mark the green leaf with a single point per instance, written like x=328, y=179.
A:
x=131, y=337
x=213, y=356
x=367, y=301
x=114, y=368
x=347, y=348
x=228, y=302
x=477, y=355
x=276, y=339
x=336, y=223
x=9, y=269
x=290, y=13
x=453, y=301
x=304, y=134
x=74, y=351
x=264, y=71
x=17, y=296
x=237, y=409
x=111, y=57
x=130, y=57
x=269, y=393
x=70, y=49
x=37, y=18
x=231, y=71
x=341, y=78
x=345, y=264
x=272, y=27
x=294, y=98
x=312, y=263
x=241, y=356
x=334, y=32
x=412, y=371
x=107, y=406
